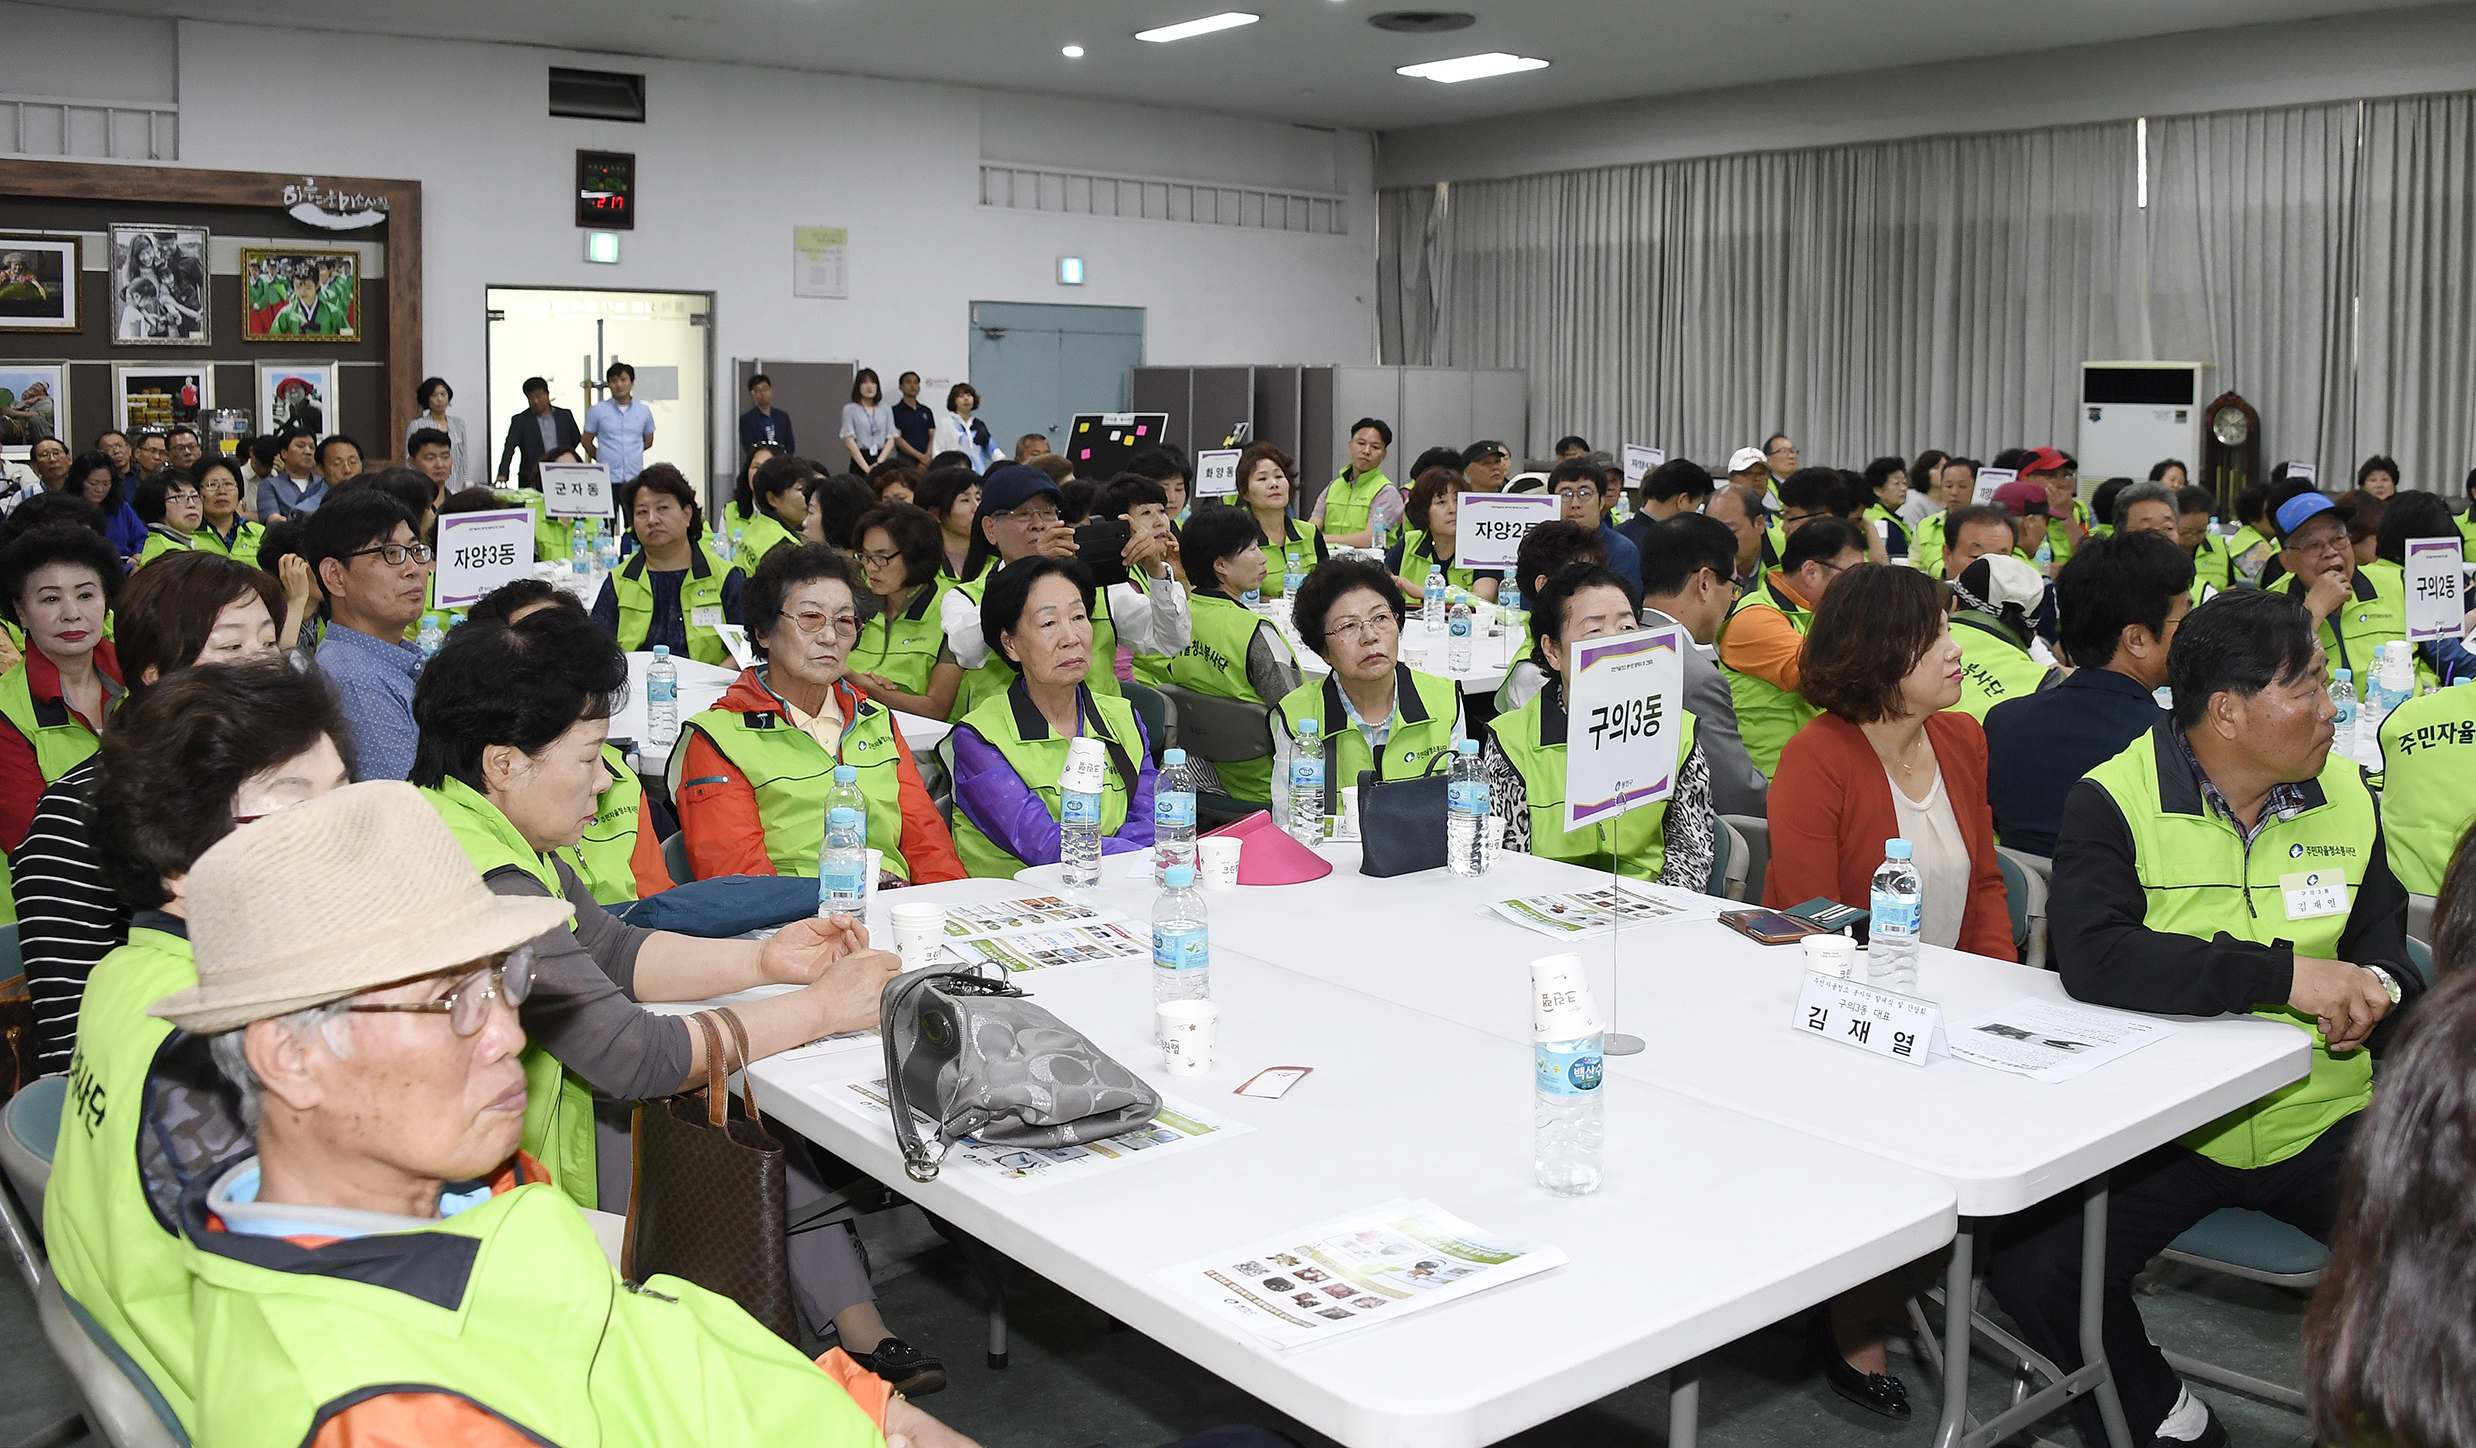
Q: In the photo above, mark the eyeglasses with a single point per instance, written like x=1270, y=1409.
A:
x=1574, y=494
x=813, y=621
x=1374, y=626
x=1037, y=517
x=875, y=559
x=1797, y=517
x=466, y=1004
x=395, y=554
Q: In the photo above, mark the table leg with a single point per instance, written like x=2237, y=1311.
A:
x=1684, y=1403
x=2093, y=1311
x=1959, y=1292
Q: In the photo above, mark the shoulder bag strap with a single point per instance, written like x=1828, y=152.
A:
x=747, y=1081
x=717, y=1092
x=918, y=1163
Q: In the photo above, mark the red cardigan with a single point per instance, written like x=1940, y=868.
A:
x=1831, y=810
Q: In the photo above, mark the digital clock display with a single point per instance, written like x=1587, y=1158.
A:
x=606, y=190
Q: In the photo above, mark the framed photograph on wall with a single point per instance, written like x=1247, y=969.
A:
x=300, y=294
x=296, y=394
x=159, y=290
x=34, y=405
x=145, y=395
x=40, y=284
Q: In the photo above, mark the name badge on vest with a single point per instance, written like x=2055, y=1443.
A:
x=707, y=617
x=2312, y=894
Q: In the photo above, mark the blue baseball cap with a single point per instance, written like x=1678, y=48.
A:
x=2298, y=510
x=1012, y=485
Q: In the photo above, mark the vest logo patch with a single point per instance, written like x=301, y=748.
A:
x=2300, y=850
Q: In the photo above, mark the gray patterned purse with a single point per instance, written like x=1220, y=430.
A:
x=979, y=1059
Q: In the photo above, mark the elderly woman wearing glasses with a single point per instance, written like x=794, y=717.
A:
x=1398, y=720
x=759, y=763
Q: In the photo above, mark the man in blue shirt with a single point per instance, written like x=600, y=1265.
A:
x=1581, y=488
x=294, y=489
x=375, y=571
x=760, y=425
x=915, y=426
x=619, y=429
x=2121, y=598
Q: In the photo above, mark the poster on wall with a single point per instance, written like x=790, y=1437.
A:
x=159, y=295
x=34, y=405
x=820, y=261
x=296, y=394
x=147, y=397
x=300, y=294
x=39, y=284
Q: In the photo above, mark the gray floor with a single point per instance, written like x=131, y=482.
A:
x=1075, y=1380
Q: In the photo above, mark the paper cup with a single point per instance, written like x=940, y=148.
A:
x=1832, y=955
x=1561, y=1005
x=1217, y=863
x=1187, y=1029
x=919, y=929
x=1414, y=652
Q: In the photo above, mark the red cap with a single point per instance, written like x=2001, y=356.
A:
x=2043, y=460
x=2021, y=496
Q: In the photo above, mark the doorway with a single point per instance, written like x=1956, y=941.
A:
x=568, y=336
x=1035, y=365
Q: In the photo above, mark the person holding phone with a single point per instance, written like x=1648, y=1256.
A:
x=1236, y=653
x=1021, y=516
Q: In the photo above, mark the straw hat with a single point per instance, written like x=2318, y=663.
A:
x=361, y=888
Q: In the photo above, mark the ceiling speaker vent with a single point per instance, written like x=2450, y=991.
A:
x=1423, y=22
x=597, y=95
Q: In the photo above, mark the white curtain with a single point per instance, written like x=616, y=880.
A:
x=2415, y=373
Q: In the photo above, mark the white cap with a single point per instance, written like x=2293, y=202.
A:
x=1087, y=769
x=1561, y=1007
x=1746, y=458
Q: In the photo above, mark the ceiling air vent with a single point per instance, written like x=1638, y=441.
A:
x=1423, y=22
x=597, y=95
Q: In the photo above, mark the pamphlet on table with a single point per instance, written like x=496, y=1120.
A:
x=1338, y=1276
x=1177, y=1127
x=1036, y=933
x=1582, y=914
x=2049, y=1041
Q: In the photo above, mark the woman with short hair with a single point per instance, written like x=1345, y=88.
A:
x=169, y=504
x=951, y=495
x=1232, y=652
x=57, y=585
x=959, y=431
x=674, y=590
x=901, y=659
x=1374, y=711
x=767, y=509
x=222, y=527
x=868, y=423
x=1429, y=540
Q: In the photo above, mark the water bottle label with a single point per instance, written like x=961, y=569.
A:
x=1180, y=948
x=1460, y=627
x=1568, y=1073
x=842, y=884
x=2346, y=716
x=1173, y=811
x=1081, y=808
x=1306, y=773
x=1466, y=796
x=662, y=691
x=1896, y=917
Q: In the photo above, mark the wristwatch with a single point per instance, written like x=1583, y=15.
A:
x=2387, y=983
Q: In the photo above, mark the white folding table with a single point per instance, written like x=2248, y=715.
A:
x=1710, y=1225
x=1719, y=1013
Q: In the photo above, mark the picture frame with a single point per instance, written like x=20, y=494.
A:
x=148, y=395
x=26, y=421
x=296, y=393
x=160, y=294
x=42, y=283
x=300, y=294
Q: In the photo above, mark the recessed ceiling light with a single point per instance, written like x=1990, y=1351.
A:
x=1472, y=67
x=1072, y=52
x=1226, y=20
x=1423, y=22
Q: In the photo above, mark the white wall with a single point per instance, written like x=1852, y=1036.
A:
x=2399, y=52
x=79, y=55
x=730, y=158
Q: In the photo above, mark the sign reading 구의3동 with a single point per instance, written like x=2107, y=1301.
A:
x=1491, y=526
x=1627, y=705
x=479, y=551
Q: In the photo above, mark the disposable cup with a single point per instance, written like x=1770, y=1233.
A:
x=1187, y=1030
x=1217, y=863
x=1832, y=955
x=918, y=931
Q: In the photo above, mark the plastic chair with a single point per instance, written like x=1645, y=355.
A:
x=1728, y=861
x=1755, y=831
x=122, y=1403
x=1221, y=731
x=32, y=1128
x=675, y=859
x=2257, y=1248
x=1153, y=711
x=2420, y=918
x=2025, y=879
x=2420, y=955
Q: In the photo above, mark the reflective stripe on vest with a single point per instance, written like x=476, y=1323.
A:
x=903, y=647
x=1214, y=662
x=1992, y=667
x=605, y=859
x=1533, y=738
x=2428, y=758
x=1424, y=708
x=1768, y=716
x=789, y=773
x=1015, y=728
x=700, y=587
x=2200, y=879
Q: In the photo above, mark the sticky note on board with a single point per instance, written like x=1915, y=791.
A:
x=1140, y=431
x=1084, y=456
x=1083, y=427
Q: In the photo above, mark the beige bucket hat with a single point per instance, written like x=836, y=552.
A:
x=358, y=889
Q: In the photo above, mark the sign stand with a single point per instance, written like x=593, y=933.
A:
x=1627, y=696
x=1616, y=1043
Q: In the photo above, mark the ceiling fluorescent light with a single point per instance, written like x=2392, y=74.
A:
x=1472, y=67
x=1228, y=19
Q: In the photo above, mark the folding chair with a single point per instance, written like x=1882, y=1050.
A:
x=1221, y=731
x=2025, y=881
x=1755, y=831
x=675, y=859
x=1729, y=857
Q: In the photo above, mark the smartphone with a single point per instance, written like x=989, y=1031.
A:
x=1101, y=545
x=1769, y=927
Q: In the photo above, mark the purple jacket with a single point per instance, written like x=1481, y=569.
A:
x=1017, y=820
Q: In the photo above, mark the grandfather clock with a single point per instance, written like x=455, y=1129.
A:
x=2231, y=452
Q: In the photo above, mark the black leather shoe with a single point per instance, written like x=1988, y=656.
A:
x=2212, y=1436
x=912, y=1372
x=1874, y=1392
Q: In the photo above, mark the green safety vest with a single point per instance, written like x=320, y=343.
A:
x=1347, y=501
x=116, y=1254
x=758, y=536
x=60, y=742
x=1214, y=662
x=558, y=1106
x=904, y=647
x=1768, y=716
x=1015, y=728
x=605, y=859
x=1533, y=737
x=2056, y=542
x=2428, y=762
x=2200, y=880
x=995, y=675
x=790, y=772
x=247, y=539
x=1424, y=710
x=511, y=1306
x=159, y=541
x=551, y=538
x=1992, y=667
x=2213, y=568
x=1418, y=556
x=1899, y=529
x=700, y=593
x=2251, y=551
x=2376, y=615
x=1301, y=548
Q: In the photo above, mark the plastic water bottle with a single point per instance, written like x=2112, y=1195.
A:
x=1899, y=912
x=1307, y=784
x=1466, y=833
x=1569, y=1130
x=579, y=548
x=431, y=637
x=1431, y=613
x=846, y=795
x=1509, y=601
x=1252, y=597
x=842, y=870
x=2343, y=694
x=2046, y=556
x=662, y=697
x=1079, y=816
x=1173, y=815
x=1457, y=634
x=606, y=548
x=1181, y=942
x=2393, y=683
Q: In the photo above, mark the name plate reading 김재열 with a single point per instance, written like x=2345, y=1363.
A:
x=1884, y=1022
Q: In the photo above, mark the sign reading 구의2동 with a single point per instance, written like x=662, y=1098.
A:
x=1621, y=732
x=1491, y=526
x=479, y=551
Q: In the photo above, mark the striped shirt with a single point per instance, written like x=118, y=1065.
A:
x=68, y=917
